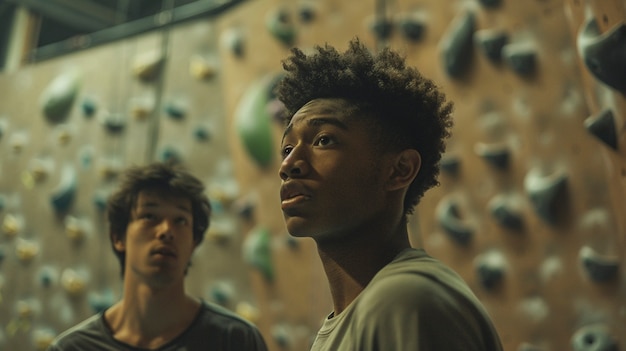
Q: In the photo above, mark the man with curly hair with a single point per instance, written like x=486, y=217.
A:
x=157, y=217
x=362, y=144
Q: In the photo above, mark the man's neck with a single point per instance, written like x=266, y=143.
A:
x=350, y=265
x=149, y=317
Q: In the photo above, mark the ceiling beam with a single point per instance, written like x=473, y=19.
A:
x=84, y=15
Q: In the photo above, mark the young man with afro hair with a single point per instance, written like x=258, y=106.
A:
x=362, y=144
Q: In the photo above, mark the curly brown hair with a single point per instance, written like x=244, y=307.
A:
x=408, y=109
x=166, y=178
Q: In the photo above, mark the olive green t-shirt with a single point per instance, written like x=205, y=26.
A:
x=413, y=303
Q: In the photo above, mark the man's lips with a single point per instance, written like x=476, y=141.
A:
x=292, y=193
x=164, y=251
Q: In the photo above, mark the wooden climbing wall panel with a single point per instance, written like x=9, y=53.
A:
x=529, y=210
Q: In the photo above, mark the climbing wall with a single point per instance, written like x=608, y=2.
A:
x=67, y=128
x=532, y=184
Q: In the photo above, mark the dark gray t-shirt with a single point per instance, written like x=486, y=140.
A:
x=214, y=328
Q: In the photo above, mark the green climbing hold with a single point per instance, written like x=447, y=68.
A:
x=59, y=96
x=258, y=253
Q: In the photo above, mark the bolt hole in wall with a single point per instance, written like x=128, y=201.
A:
x=529, y=209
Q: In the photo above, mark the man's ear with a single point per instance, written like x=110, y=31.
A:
x=406, y=165
x=118, y=244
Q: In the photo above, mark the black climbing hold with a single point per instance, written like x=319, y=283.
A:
x=496, y=154
x=593, y=338
x=89, y=107
x=175, y=111
x=521, y=59
x=450, y=165
x=412, y=29
x=490, y=3
x=307, y=14
x=114, y=123
x=382, y=28
x=450, y=221
x=489, y=275
x=491, y=43
x=458, y=48
x=605, y=54
x=544, y=193
x=506, y=216
x=600, y=269
x=602, y=126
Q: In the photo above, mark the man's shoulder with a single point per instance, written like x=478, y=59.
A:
x=89, y=329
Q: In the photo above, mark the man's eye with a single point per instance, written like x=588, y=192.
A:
x=147, y=216
x=324, y=140
x=286, y=151
x=182, y=221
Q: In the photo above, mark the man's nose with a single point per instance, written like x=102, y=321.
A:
x=293, y=166
x=165, y=230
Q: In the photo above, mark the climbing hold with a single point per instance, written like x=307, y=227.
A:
x=47, y=276
x=491, y=42
x=258, y=253
x=544, y=193
x=281, y=336
x=496, y=154
x=594, y=337
x=448, y=216
x=42, y=338
x=63, y=194
x=100, y=199
x=222, y=292
x=222, y=230
x=490, y=268
x=528, y=347
x=89, y=107
x=75, y=228
x=307, y=13
x=457, y=45
x=412, y=28
x=382, y=28
x=252, y=120
x=599, y=268
x=58, y=98
x=26, y=250
x=202, y=133
x=604, y=54
x=450, y=164
x=40, y=169
x=175, y=111
x=100, y=300
x=170, y=153
x=248, y=312
x=234, y=40
x=279, y=25
x=12, y=225
x=202, y=68
x=522, y=58
x=141, y=107
x=18, y=141
x=505, y=213
x=114, y=123
x=74, y=282
x=490, y=3
x=602, y=126
x=147, y=66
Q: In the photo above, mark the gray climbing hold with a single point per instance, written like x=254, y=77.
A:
x=58, y=98
x=307, y=13
x=593, y=338
x=448, y=216
x=412, y=29
x=450, y=165
x=490, y=3
x=89, y=107
x=114, y=123
x=457, y=45
x=602, y=126
x=521, y=58
x=63, y=195
x=599, y=268
x=490, y=269
x=544, y=193
x=280, y=26
x=497, y=155
x=491, y=42
x=505, y=214
x=604, y=54
x=175, y=111
x=382, y=28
